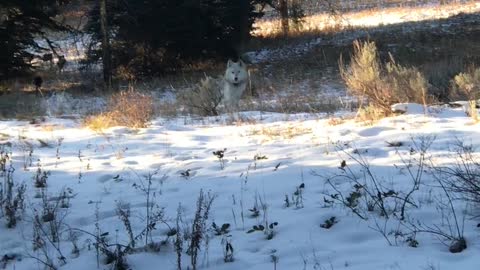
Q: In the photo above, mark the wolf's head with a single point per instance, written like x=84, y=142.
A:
x=236, y=72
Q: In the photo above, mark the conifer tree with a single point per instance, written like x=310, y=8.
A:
x=152, y=36
x=22, y=25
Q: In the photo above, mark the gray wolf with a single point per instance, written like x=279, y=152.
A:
x=235, y=83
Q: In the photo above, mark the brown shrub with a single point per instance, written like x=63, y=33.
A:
x=127, y=108
x=382, y=84
x=363, y=76
x=467, y=86
x=406, y=84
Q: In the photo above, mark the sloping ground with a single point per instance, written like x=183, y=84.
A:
x=100, y=170
x=440, y=49
x=341, y=18
x=463, y=25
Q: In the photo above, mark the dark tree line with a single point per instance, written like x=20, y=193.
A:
x=22, y=23
x=147, y=37
x=133, y=37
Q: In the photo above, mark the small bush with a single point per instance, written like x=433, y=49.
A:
x=440, y=73
x=467, y=86
x=406, y=84
x=127, y=108
x=131, y=108
x=463, y=178
x=205, y=97
x=363, y=75
x=382, y=84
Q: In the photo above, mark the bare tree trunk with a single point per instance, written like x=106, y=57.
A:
x=106, y=54
x=240, y=41
x=283, y=9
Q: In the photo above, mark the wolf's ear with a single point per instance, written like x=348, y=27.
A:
x=241, y=63
x=229, y=63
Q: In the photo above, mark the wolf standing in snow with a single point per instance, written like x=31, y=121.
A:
x=235, y=82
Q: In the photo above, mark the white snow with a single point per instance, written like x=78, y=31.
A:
x=102, y=167
x=411, y=108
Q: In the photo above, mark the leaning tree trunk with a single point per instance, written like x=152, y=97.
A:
x=283, y=9
x=106, y=54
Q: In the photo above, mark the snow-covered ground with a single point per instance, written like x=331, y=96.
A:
x=269, y=157
x=99, y=170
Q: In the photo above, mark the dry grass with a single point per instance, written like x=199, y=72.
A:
x=127, y=108
x=335, y=121
x=280, y=131
x=467, y=85
x=292, y=102
x=363, y=76
x=131, y=108
x=99, y=122
x=293, y=87
x=370, y=115
x=325, y=22
x=239, y=119
x=21, y=105
x=407, y=84
x=167, y=109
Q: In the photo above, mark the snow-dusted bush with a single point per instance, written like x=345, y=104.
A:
x=205, y=97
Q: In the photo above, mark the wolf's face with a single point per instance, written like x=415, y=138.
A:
x=236, y=72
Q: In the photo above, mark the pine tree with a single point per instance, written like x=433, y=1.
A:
x=21, y=24
x=151, y=36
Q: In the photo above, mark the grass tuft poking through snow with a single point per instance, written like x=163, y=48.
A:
x=312, y=193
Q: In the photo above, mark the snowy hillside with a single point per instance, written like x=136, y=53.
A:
x=285, y=174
